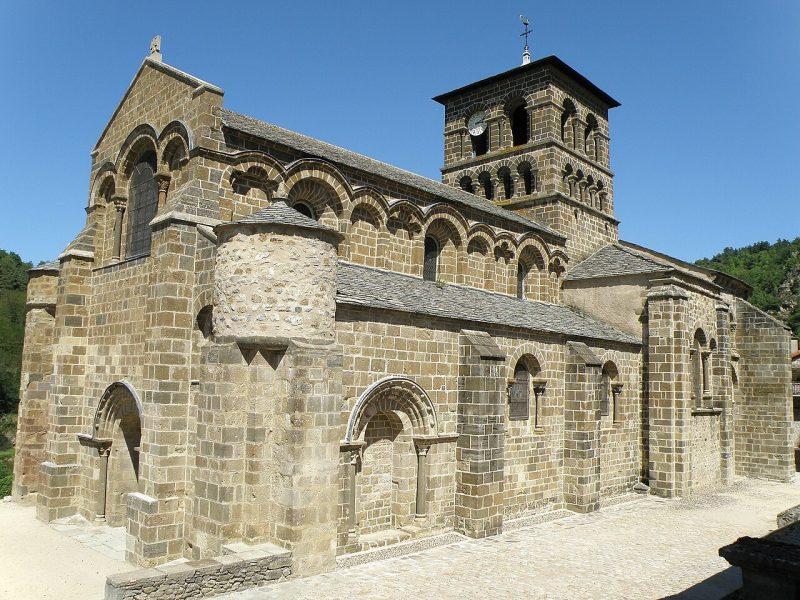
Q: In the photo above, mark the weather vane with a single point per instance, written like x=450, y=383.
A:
x=526, y=55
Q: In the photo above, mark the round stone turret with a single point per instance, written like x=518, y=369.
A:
x=275, y=277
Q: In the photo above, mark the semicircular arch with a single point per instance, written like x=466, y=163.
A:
x=119, y=401
x=393, y=393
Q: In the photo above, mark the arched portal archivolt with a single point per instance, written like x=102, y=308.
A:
x=393, y=394
x=120, y=402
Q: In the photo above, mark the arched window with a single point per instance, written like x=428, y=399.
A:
x=567, y=114
x=204, y=320
x=701, y=369
x=522, y=274
x=520, y=128
x=504, y=175
x=143, y=204
x=590, y=138
x=531, y=277
x=304, y=209
x=431, y=266
x=525, y=384
x=610, y=391
x=480, y=143
x=487, y=184
x=466, y=184
x=519, y=397
x=528, y=178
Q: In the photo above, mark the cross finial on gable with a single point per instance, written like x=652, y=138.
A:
x=155, y=48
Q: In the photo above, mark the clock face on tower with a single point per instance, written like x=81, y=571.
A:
x=477, y=123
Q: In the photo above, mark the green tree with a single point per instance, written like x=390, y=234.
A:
x=13, y=279
x=773, y=270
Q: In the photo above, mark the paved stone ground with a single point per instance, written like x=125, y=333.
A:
x=38, y=562
x=645, y=549
x=105, y=540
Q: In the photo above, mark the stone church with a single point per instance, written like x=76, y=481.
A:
x=262, y=338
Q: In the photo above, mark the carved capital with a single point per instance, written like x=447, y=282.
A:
x=120, y=202
x=162, y=181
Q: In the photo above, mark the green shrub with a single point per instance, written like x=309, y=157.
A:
x=6, y=471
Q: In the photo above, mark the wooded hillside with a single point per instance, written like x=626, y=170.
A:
x=774, y=272
x=13, y=280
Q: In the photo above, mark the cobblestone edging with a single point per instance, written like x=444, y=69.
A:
x=536, y=519
x=246, y=567
x=395, y=550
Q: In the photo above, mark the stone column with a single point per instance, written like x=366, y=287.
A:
x=582, y=429
x=102, y=490
x=120, y=203
x=421, y=500
x=667, y=391
x=66, y=401
x=162, y=181
x=481, y=428
x=575, y=133
x=517, y=185
x=493, y=134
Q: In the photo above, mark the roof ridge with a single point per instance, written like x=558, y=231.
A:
x=318, y=141
x=641, y=255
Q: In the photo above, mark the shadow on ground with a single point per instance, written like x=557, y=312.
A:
x=722, y=586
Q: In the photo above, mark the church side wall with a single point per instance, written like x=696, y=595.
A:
x=764, y=398
x=380, y=343
x=705, y=433
x=621, y=430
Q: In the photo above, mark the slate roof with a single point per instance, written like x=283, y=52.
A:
x=363, y=286
x=547, y=61
x=83, y=242
x=317, y=148
x=52, y=265
x=615, y=260
x=279, y=213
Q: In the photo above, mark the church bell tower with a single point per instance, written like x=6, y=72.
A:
x=535, y=140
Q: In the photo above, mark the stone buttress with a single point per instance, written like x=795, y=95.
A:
x=37, y=366
x=268, y=416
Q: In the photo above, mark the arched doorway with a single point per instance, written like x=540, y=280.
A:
x=388, y=433
x=118, y=431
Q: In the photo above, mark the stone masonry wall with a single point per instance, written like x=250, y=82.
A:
x=35, y=380
x=379, y=343
x=116, y=351
x=620, y=435
x=276, y=285
x=764, y=411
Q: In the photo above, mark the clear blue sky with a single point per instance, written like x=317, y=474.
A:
x=705, y=146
